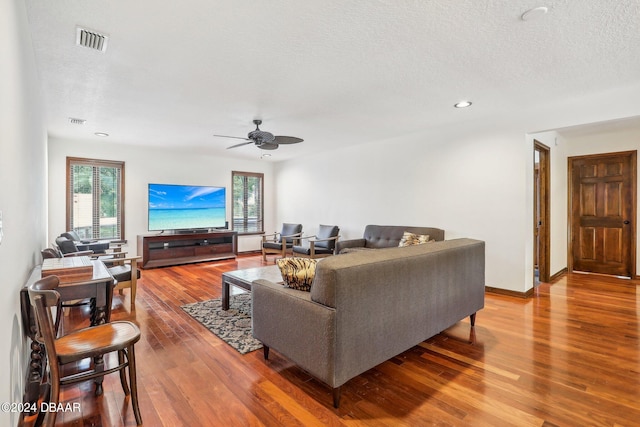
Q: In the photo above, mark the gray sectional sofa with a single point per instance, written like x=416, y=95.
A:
x=385, y=236
x=368, y=306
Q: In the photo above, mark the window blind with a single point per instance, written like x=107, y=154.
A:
x=247, y=206
x=95, y=198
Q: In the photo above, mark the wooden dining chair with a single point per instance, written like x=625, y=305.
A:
x=126, y=273
x=93, y=342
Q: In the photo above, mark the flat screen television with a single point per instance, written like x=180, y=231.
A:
x=186, y=207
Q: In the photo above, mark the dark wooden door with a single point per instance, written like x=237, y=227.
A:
x=603, y=212
x=542, y=213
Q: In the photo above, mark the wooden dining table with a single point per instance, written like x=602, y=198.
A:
x=98, y=288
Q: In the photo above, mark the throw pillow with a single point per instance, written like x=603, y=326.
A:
x=410, y=239
x=297, y=273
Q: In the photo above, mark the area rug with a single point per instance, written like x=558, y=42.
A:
x=233, y=326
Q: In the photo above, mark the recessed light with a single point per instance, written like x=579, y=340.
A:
x=534, y=13
x=463, y=104
x=101, y=134
x=265, y=155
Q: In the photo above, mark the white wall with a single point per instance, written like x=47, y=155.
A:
x=478, y=186
x=22, y=192
x=471, y=186
x=144, y=166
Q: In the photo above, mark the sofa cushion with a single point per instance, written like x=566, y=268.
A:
x=388, y=236
x=297, y=273
x=276, y=245
x=352, y=250
x=410, y=239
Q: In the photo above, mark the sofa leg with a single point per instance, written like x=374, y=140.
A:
x=473, y=319
x=265, y=352
x=336, y=397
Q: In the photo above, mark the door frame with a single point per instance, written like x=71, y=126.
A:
x=634, y=211
x=544, y=232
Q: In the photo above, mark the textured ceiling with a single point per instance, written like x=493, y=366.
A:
x=332, y=72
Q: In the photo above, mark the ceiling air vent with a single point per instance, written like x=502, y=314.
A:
x=91, y=39
x=75, y=121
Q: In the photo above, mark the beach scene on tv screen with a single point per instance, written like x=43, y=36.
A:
x=173, y=207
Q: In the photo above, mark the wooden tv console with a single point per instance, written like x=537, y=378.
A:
x=161, y=250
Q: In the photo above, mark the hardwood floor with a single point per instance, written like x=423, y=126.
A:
x=569, y=356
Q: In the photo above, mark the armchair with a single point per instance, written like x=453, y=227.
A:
x=286, y=239
x=97, y=246
x=94, y=244
x=72, y=235
x=57, y=253
x=321, y=245
x=68, y=246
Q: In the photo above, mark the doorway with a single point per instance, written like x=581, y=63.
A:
x=602, y=213
x=541, y=211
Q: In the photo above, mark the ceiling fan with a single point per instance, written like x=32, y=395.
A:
x=262, y=139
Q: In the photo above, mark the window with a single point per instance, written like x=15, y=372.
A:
x=95, y=198
x=248, y=210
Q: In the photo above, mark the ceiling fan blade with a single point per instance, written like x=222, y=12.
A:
x=287, y=140
x=236, y=137
x=262, y=139
x=241, y=144
x=268, y=146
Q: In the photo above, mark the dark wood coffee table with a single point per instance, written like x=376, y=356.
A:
x=244, y=278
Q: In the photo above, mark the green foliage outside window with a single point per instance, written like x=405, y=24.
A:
x=248, y=206
x=95, y=194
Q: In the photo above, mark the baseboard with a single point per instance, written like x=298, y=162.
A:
x=527, y=294
x=509, y=293
x=250, y=253
x=558, y=275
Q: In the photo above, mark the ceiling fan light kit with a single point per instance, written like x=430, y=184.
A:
x=262, y=139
